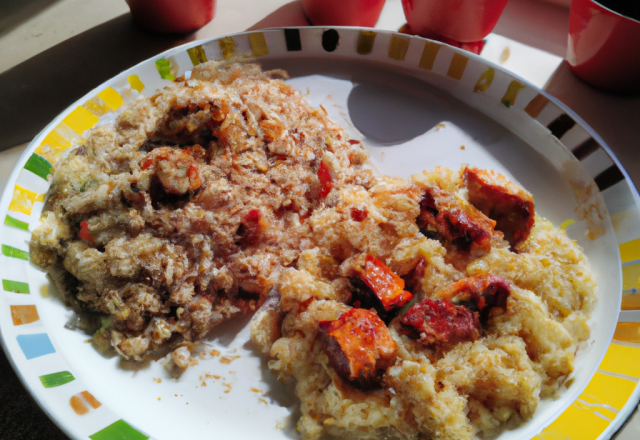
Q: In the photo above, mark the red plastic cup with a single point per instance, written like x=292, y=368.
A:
x=172, y=16
x=466, y=21
x=363, y=13
x=604, y=46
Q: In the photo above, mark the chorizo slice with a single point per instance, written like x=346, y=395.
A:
x=445, y=217
x=501, y=200
x=440, y=323
x=486, y=293
x=457, y=312
x=360, y=348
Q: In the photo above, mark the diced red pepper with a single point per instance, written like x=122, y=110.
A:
x=358, y=214
x=326, y=181
x=195, y=181
x=84, y=233
x=441, y=323
x=360, y=347
x=385, y=284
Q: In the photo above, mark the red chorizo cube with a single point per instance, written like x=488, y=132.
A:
x=441, y=323
x=360, y=348
x=499, y=199
x=482, y=292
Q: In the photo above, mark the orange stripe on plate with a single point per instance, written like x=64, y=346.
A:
x=630, y=301
x=536, y=105
x=24, y=314
x=627, y=331
x=91, y=400
x=79, y=407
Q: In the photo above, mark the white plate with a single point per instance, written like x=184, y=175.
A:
x=416, y=104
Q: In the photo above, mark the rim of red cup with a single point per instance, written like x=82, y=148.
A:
x=618, y=14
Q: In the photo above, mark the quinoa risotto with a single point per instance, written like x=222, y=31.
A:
x=440, y=307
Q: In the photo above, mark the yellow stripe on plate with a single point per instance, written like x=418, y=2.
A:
x=630, y=250
x=622, y=360
x=457, y=66
x=592, y=411
x=607, y=393
x=485, y=80
x=429, y=54
x=575, y=424
x=135, y=83
x=227, y=46
x=111, y=98
x=364, y=46
x=398, y=47
x=22, y=200
x=80, y=120
x=54, y=145
x=197, y=55
x=258, y=44
x=631, y=276
x=511, y=94
x=97, y=106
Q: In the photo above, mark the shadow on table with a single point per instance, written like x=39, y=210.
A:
x=35, y=91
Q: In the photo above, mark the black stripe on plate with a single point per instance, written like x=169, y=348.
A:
x=561, y=125
x=585, y=149
x=292, y=37
x=330, y=40
x=609, y=177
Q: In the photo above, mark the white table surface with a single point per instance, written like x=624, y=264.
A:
x=532, y=33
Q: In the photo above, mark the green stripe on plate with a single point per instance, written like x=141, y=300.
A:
x=119, y=430
x=15, y=286
x=8, y=220
x=56, y=379
x=15, y=253
x=39, y=166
